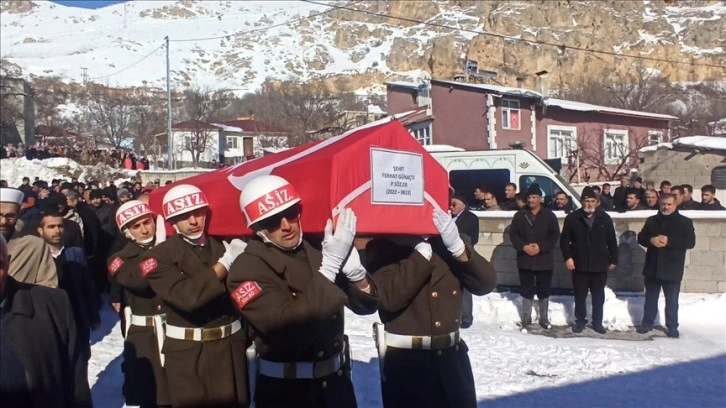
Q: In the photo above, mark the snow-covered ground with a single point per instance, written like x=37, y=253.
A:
x=514, y=369
x=14, y=169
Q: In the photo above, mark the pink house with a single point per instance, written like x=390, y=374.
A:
x=603, y=140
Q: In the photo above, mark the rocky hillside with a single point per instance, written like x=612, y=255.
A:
x=239, y=45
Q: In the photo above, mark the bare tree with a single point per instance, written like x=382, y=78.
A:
x=592, y=157
x=112, y=112
x=200, y=108
x=148, y=120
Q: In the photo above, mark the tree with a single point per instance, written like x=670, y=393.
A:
x=148, y=120
x=199, y=109
x=112, y=113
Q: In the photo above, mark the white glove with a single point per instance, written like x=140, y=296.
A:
x=417, y=243
x=160, y=230
x=336, y=246
x=353, y=268
x=449, y=232
x=232, y=251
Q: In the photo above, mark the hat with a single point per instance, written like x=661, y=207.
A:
x=460, y=197
x=124, y=192
x=588, y=192
x=639, y=180
x=534, y=190
x=11, y=195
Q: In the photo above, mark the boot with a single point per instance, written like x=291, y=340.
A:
x=544, y=321
x=526, y=312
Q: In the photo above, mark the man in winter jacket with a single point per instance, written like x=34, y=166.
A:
x=590, y=249
x=709, y=202
x=666, y=235
x=534, y=232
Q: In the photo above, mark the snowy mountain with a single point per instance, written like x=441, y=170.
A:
x=240, y=44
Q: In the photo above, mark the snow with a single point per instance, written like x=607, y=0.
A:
x=515, y=369
x=586, y=107
x=14, y=169
x=704, y=142
x=655, y=147
x=503, y=90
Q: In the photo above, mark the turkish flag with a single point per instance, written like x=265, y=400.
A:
x=378, y=170
x=514, y=119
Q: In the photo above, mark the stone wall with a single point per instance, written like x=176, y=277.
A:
x=165, y=175
x=680, y=166
x=705, y=269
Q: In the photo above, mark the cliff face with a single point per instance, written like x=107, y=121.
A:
x=252, y=42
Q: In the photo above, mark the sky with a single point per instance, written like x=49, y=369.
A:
x=90, y=4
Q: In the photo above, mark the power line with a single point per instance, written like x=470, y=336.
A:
x=254, y=30
x=130, y=66
x=562, y=47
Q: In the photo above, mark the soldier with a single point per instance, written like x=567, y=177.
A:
x=424, y=362
x=282, y=286
x=204, y=350
x=144, y=378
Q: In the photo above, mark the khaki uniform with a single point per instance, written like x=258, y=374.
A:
x=295, y=315
x=210, y=373
x=423, y=298
x=145, y=382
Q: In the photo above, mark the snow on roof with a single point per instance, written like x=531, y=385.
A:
x=404, y=84
x=502, y=90
x=442, y=148
x=655, y=147
x=586, y=107
x=375, y=109
x=703, y=142
x=227, y=128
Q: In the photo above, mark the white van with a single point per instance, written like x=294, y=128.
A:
x=493, y=169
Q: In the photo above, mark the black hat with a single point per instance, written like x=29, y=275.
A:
x=460, y=197
x=534, y=190
x=588, y=192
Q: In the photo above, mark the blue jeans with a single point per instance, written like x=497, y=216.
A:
x=652, y=292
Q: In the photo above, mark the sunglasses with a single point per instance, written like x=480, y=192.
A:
x=291, y=214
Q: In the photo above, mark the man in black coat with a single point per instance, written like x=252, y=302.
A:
x=709, y=202
x=534, y=233
x=467, y=224
x=42, y=364
x=585, y=233
x=620, y=193
x=666, y=235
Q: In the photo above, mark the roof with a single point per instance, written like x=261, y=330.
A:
x=586, y=107
x=419, y=114
x=194, y=124
x=253, y=126
x=501, y=90
x=404, y=84
x=692, y=142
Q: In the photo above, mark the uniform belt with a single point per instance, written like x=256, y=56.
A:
x=202, y=334
x=301, y=370
x=145, y=321
x=438, y=342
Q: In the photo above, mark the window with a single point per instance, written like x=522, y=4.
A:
x=718, y=177
x=231, y=142
x=561, y=142
x=423, y=96
x=615, y=146
x=422, y=133
x=465, y=182
x=510, y=114
x=546, y=184
x=654, y=137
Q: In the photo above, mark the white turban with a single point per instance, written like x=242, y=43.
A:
x=11, y=195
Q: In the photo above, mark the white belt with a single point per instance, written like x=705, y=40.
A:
x=301, y=370
x=202, y=334
x=437, y=342
x=144, y=321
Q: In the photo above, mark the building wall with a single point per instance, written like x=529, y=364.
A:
x=400, y=99
x=524, y=133
x=680, y=167
x=705, y=267
x=459, y=117
x=184, y=156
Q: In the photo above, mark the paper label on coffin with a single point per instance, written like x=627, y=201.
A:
x=396, y=178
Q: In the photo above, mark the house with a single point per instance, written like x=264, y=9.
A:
x=603, y=140
x=228, y=142
x=694, y=160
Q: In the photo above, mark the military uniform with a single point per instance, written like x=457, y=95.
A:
x=204, y=350
x=426, y=363
x=296, y=321
x=145, y=381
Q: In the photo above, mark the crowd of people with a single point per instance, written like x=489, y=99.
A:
x=116, y=158
x=191, y=305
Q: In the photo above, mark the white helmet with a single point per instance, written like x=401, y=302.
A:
x=266, y=196
x=130, y=211
x=183, y=198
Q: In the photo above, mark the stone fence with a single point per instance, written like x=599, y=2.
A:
x=705, y=269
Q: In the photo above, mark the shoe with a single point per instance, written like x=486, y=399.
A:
x=544, y=306
x=673, y=333
x=578, y=327
x=599, y=328
x=526, y=312
x=465, y=325
x=644, y=329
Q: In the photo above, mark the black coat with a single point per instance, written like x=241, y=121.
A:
x=606, y=202
x=592, y=249
x=716, y=206
x=619, y=198
x=38, y=333
x=544, y=231
x=468, y=224
x=667, y=263
x=690, y=205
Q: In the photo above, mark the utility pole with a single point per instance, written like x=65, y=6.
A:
x=169, y=141
x=84, y=75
